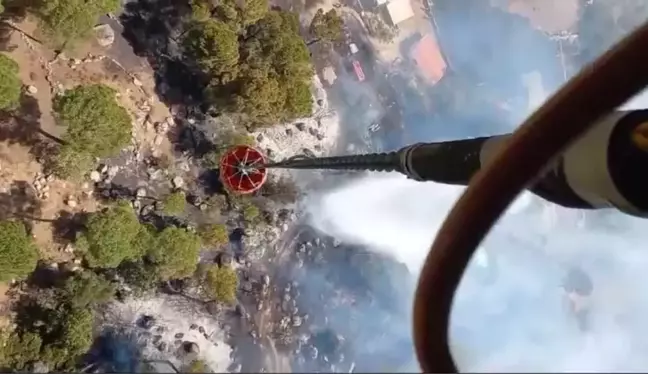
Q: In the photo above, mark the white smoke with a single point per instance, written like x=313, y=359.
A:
x=519, y=319
x=403, y=232
x=519, y=322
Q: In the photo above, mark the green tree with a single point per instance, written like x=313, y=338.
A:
x=10, y=84
x=112, y=236
x=228, y=12
x=70, y=336
x=299, y=99
x=140, y=275
x=274, y=67
x=77, y=333
x=260, y=97
x=67, y=21
x=71, y=164
x=18, y=351
x=18, y=253
x=87, y=289
x=145, y=239
x=197, y=366
x=252, y=11
x=377, y=28
x=175, y=253
x=251, y=213
x=175, y=203
x=213, y=45
x=96, y=124
x=214, y=234
x=200, y=10
x=221, y=283
x=326, y=26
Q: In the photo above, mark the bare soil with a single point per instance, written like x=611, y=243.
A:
x=49, y=74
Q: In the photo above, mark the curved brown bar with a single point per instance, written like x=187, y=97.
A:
x=598, y=89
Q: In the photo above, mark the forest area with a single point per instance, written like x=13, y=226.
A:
x=248, y=61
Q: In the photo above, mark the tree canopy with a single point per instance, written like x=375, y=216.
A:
x=175, y=203
x=112, y=236
x=87, y=289
x=214, y=234
x=77, y=335
x=221, y=283
x=256, y=59
x=379, y=29
x=197, y=366
x=69, y=163
x=250, y=212
x=140, y=275
x=200, y=10
x=69, y=20
x=70, y=337
x=10, y=84
x=214, y=46
x=95, y=123
x=252, y=10
x=326, y=25
x=96, y=126
x=236, y=14
x=18, y=253
x=175, y=253
x=18, y=351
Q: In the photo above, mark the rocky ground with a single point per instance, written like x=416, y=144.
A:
x=149, y=168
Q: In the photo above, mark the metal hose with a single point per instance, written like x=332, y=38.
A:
x=598, y=89
x=373, y=162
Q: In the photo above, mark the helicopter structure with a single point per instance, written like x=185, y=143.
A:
x=599, y=170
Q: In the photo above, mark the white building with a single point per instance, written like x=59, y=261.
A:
x=399, y=11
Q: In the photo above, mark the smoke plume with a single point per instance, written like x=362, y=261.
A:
x=512, y=311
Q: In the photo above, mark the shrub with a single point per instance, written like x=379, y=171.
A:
x=112, y=236
x=221, y=283
x=18, y=253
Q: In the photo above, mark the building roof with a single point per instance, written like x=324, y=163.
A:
x=399, y=11
x=427, y=56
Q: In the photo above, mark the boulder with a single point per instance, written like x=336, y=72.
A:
x=39, y=367
x=95, y=176
x=105, y=35
x=190, y=347
x=141, y=192
x=178, y=182
x=146, y=321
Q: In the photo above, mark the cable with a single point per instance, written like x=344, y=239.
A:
x=373, y=162
x=598, y=89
